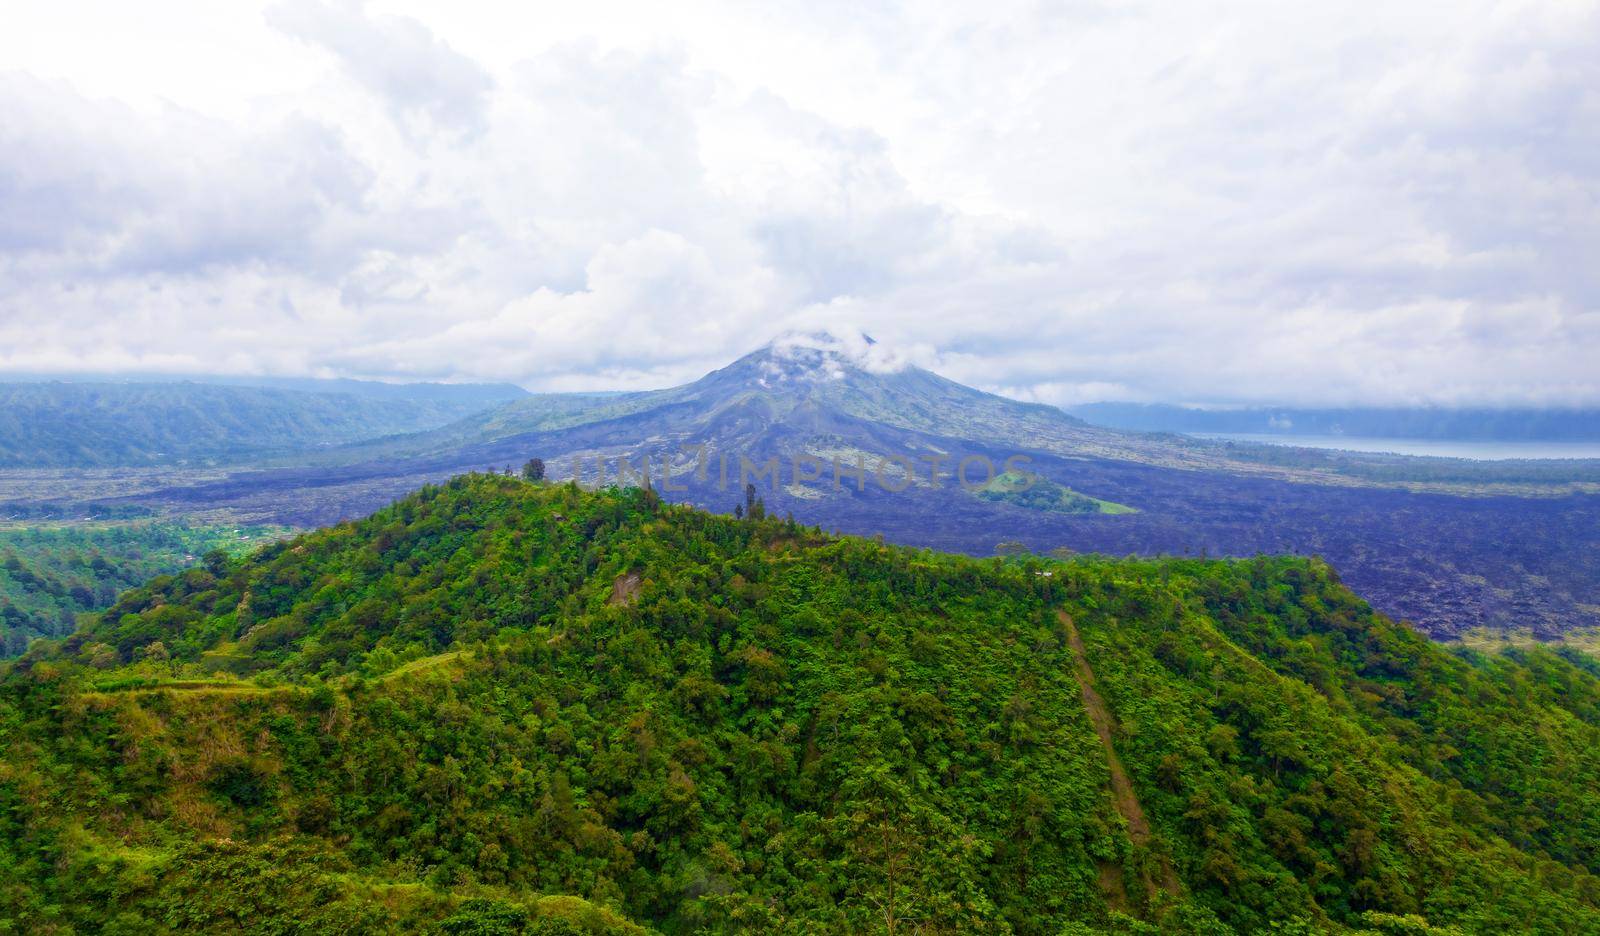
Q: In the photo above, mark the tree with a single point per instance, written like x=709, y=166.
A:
x=480, y=917
x=533, y=470
x=216, y=562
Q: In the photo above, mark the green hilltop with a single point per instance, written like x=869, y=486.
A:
x=1036, y=492
x=505, y=707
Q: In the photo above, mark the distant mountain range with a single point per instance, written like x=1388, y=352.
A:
x=104, y=423
x=843, y=440
x=1498, y=425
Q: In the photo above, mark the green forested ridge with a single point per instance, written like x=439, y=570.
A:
x=49, y=575
x=506, y=707
x=59, y=424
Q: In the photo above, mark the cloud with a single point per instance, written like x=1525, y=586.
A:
x=841, y=346
x=96, y=190
x=420, y=79
x=658, y=291
x=1210, y=204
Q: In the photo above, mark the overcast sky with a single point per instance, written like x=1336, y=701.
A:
x=1288, y=202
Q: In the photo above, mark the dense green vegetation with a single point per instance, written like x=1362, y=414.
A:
x=50, y=575
x=59, y=424
x=504, y=707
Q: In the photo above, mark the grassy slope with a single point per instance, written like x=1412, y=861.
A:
x=780, y=731
x=1041, y=493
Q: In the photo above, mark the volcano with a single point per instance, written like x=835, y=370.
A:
x=845, y=434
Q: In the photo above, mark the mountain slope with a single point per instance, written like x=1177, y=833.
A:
x=806, y=373
x=91, y=424
x=513, y=692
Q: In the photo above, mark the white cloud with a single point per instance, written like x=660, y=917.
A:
x=396, y=58
x=1218, y=203
x=840, y=347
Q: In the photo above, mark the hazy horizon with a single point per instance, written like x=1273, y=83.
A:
x=1206, y=406
x=899, y=359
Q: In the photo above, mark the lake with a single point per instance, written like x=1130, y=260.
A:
x=1438, y=448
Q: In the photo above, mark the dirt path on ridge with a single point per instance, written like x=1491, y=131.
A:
x=1105, y=725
